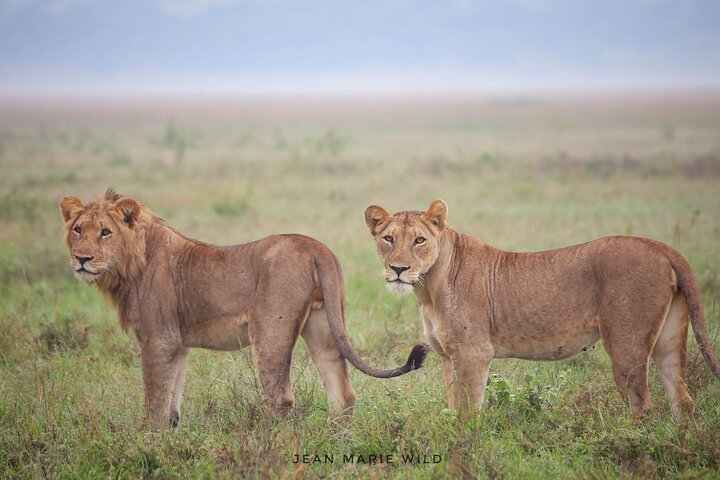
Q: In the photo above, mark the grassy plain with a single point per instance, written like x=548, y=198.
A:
x=522, y=173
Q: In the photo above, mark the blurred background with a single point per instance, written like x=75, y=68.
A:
x=193, y=47
x=541, y=123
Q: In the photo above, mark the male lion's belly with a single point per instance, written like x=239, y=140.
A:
x=224, y=333
x=548, y=345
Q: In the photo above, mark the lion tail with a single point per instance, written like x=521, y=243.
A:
x=331, y=284
x=688, y=285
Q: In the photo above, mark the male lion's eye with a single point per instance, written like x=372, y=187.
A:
x=77, y=230
x=419, y=241
x=105, y=233
x=388, y=238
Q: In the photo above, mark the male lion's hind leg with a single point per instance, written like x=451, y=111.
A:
x=330, y=363
x=160, y=361
x=670, y=353
x=273, y=332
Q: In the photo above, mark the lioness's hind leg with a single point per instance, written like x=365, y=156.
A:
x=630, y=373
x=330, y=363
x=670, y=353
x=629, y=331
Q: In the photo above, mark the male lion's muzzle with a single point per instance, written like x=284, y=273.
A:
x=84, y=271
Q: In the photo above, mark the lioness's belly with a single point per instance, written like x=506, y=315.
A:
x=547, y=346
x=225, y=333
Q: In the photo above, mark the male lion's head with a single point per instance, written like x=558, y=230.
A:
x=407, y=242
x=103, y=237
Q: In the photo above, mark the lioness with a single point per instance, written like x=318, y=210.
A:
x=480, y=303
x=176, y=293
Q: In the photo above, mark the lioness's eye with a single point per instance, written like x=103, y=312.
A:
x=419, y=240
x=77, y=230
x=388, y=238
x=105, y=232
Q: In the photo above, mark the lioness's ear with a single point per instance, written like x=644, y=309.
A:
x=70, y=207
x=437, y=213
x=129, y=208
x=375, y=215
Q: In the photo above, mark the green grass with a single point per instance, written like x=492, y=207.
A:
x=530, y=174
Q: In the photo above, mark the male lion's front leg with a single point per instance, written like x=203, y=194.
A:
x=471, y=365
x=160, y=362
x=178, y=386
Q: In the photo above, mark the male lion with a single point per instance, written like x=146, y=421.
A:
x=480, y=303
x=176, y=293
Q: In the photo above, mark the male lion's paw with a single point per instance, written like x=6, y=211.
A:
x=174, y=419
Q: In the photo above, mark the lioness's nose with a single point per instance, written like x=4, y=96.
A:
x=399, y=270
x=82, y=259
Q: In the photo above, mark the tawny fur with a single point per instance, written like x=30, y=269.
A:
x=480, y=303
x=175, y=293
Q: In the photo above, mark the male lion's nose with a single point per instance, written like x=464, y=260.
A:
x=82, y=259
x=399, y=270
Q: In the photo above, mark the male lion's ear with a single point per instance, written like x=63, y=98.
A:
x=70, y=207
x=437, y=213
x=129, y=208
x=375, y=215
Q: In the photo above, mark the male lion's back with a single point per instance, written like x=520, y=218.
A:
x=292, y=257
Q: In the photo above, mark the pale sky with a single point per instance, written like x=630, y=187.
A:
x=293, y=46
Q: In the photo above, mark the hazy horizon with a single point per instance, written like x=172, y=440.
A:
x=220, y=47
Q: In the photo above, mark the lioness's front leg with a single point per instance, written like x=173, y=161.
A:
x=471, y=365
x=449, y=380
x=160, y=366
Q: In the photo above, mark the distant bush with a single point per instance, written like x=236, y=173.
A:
x=174, y=140
x=68, y=333
x=233, y=206
x=330, y=143
x=16, y=206
x=118, y=159
x=9, y=332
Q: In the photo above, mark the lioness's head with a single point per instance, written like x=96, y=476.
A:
x=407, y=242
x=102, y=236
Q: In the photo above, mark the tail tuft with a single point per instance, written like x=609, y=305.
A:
x=688, y=286
x=417, y=356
